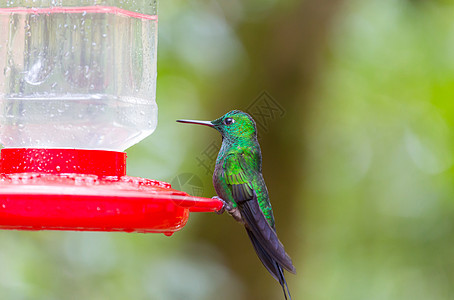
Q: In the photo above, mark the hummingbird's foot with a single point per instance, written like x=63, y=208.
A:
x=233, y=211
x=226, y=206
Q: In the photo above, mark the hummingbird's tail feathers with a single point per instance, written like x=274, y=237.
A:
x=264, y=234
x=271, y=265
x=284, y=285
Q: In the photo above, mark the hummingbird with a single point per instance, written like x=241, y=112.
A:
x=239, y=184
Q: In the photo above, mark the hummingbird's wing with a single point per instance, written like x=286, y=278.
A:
x=264, y=238
x=267, y=261
x=271, y=265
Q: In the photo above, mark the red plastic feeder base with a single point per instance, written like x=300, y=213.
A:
x=87, y=190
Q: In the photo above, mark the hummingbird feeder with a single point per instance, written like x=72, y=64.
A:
x=77, y=88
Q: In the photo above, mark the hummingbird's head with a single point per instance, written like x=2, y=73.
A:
x=233, y=125
x=236, y=124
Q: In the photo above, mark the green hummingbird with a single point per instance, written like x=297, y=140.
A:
x=239, y=184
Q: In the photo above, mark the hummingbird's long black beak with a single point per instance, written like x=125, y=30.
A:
x=206, y=123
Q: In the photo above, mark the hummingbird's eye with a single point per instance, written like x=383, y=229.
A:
x=229, y=121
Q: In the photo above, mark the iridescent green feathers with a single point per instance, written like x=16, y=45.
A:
x=235, y=176
x=242, y=126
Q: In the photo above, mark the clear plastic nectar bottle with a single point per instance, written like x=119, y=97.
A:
x=77, y=73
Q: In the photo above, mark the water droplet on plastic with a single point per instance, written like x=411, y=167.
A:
x=58, y=168
x=6, y=71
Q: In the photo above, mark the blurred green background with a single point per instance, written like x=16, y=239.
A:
x=355, y=106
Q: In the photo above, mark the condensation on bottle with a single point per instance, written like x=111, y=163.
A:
x=77, y=73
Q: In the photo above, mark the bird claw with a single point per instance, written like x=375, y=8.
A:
x=225, y=207
x=233, y=211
